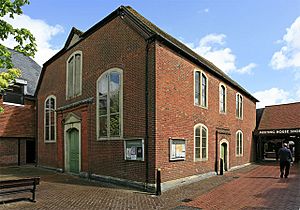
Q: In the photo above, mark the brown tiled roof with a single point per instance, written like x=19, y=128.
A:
x=280, y=117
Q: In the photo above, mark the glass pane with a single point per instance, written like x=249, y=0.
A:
x=203, y=142
x=197, y=153
x=204, y=133
x=47, y=103
x=114, y=102
x=52, y=117
x=52, y=133
x=115, y=125
x=47, y=132
x=237, y=146
x=52, y=103
x=103, y=86
x=114, y=81
x=197, y=133
x=103, y=105
x=197, y=87
x=47, y=118
x=204, y=85
x=103, y=126
x=70, y=77
x=77, y=73
x=203, y=152
x=197, y=142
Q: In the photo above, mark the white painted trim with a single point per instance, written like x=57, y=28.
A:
x=240, y=166
x=200, y=159
x=13, y=104
x=67, y=75
x=225, y=102
x=69, y=124
x=121, y=105
x=242, y=141
x=227, y=152
x=52, y=140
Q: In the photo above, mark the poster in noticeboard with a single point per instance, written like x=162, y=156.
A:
x=134, y=149
x=177, y=149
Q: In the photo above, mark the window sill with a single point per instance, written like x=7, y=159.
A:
x=110, y=139
x=200, y=106
x=49, y=142
x=200, y=160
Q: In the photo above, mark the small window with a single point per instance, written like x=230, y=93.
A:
x=14, y=94
x=134, y=149
x=201, y=142
x=201, y=89
x=177, y=149
x=239, y=143
x=74, y=75
x=109, y=104
x=222, y=98
x=50, y=119
x=239, y=106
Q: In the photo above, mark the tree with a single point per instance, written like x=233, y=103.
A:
x=24, y=39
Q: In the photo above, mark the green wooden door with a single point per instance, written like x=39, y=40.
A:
x=74, y=150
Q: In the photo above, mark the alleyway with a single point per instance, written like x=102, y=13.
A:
x=252, y=187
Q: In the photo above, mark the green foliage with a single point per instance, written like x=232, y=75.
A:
x=24, y=39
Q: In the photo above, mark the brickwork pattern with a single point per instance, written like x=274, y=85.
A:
x=252, y=187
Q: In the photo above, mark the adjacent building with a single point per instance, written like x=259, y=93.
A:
x=124, y=99
x=18, y=121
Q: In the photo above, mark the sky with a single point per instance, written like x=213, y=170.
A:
x=256, y=42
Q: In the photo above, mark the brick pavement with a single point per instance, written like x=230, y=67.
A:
x=253, y=187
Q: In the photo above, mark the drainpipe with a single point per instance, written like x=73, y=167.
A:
x=19, y=152
x=148, y=40
x=36, y=139
x=216, y=158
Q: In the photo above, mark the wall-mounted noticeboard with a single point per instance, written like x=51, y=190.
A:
x=134, y=149
x=177, y=149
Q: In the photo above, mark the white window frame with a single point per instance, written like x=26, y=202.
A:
x=239, y=147
x=67, y=75
x=239, y=103
x=50, y=140
x=225, y=98
x=200, y=158
x=201, y=92
x=121, y=106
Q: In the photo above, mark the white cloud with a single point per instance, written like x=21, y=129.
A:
x=41, y=31
x=273, y=96
x=206, y=10
x=212, y=47
x=289, y=54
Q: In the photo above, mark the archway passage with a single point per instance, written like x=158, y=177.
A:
x=73, y=153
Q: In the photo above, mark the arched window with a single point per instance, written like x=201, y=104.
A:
x=201, y=142
x=110, y=104
x=50, y=119
x=222, y=98
x=74, y=75
x=239, y=143
x=201, y=89
x=239, y=106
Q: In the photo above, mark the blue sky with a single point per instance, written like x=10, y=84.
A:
x=256, y=42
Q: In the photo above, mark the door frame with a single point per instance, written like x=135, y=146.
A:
x=72, y=121
x=227, y=152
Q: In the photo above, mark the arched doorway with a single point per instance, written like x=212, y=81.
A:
x=72, y=139
x=224, y=154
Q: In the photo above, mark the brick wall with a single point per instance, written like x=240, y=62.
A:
x=176, y=116
x=9, y=151
x=18, y=121
x=114, y=45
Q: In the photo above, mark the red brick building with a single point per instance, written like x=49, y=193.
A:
x=276, y=125
x=124, y=99
x=17, y=122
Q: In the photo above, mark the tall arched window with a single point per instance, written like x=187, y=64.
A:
x=222, y=98
x=201, y=142
x=74, y=75
x=50, y=119
x=239, y=106
x=201, y=89
x=110, y=104
x=239, y=143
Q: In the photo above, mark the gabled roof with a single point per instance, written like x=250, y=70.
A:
x=156, y=33
x=282, y=116
x=29, y=68
x=73, y=37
